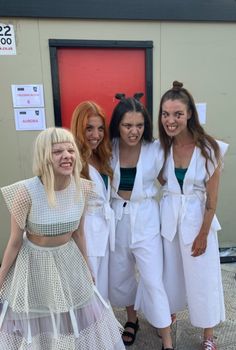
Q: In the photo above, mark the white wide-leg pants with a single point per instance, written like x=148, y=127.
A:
x=194, y=281
x=135, y=275
x=99, y=268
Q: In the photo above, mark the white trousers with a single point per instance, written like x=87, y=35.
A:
x=135, y=275
x=194, y=281
x=99, y=267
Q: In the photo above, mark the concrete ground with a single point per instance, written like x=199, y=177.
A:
x=185, y=336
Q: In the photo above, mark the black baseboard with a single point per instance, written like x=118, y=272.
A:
x=227, y=255
x=227, y=259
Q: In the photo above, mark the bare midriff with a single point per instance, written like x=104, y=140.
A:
x=46, y=241
x=125, y=194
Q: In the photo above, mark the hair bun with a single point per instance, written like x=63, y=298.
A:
x=120, y=96
x=138, y=95
x=177, y=85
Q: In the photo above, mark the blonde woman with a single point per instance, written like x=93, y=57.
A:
x=47, y=297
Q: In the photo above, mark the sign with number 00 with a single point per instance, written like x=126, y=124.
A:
x=7, y=40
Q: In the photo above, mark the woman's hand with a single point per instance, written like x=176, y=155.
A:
x=93, y=278
x=199, y=245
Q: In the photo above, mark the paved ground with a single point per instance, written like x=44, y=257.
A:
x=184, y=335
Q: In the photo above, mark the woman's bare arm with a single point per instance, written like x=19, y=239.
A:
x=13, y=246
x=212, y=186
x=79, y=239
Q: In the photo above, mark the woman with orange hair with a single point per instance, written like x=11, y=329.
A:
x=90, y=130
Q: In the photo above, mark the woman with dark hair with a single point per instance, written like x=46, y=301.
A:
x=191, y=173
x=137, y=161
x=89, y=127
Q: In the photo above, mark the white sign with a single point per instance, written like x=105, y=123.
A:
x=27, y=95
x=201, y=109
x=30, y=119
x=7, y=40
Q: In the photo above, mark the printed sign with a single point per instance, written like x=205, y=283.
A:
x=201, y=109
x=7, y=40
x=30, y=119
x=27, y=95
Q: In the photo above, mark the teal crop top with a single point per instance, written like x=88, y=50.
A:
x=180, y=174
x=127, y=177
x=105, y=179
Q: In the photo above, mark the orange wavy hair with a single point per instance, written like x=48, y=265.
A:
x=78, y=127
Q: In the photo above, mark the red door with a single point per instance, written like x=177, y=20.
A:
x=97, y=74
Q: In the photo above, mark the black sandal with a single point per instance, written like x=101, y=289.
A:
x=135, y=327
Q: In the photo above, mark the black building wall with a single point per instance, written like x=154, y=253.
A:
x=166, y=10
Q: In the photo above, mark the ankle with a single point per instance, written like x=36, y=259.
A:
x=132, y=319
x=166, y=337
x=211, y=338
x=165, y=348
x=208, y=333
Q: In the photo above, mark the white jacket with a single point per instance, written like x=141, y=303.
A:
x=99, y=225
x=143, y=205
x=183, y=212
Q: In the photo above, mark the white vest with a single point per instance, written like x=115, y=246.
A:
x=99, y=225
x=143, y=205
x=184, y=212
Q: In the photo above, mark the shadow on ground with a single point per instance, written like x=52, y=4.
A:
x=186, y=337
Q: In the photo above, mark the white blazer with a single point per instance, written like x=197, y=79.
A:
x=143, y=205
x=184, y=212
x=99, y=224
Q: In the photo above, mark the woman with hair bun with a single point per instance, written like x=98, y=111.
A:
x=89, y=127
x=136, y=264
x=190, y=175
x=48, y=300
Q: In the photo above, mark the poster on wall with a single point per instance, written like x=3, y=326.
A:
x=27, y=95
x=201, y=109
x=30, y=119
x=7, y=39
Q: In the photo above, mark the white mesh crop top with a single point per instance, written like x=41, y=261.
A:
x=27, y=202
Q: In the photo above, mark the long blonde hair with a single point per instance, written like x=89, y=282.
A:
x=42, y=161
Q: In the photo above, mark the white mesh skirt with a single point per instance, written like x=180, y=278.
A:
x=49, y=302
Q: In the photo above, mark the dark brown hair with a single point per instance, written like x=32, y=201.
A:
x=130, y=104
x=201, y=139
